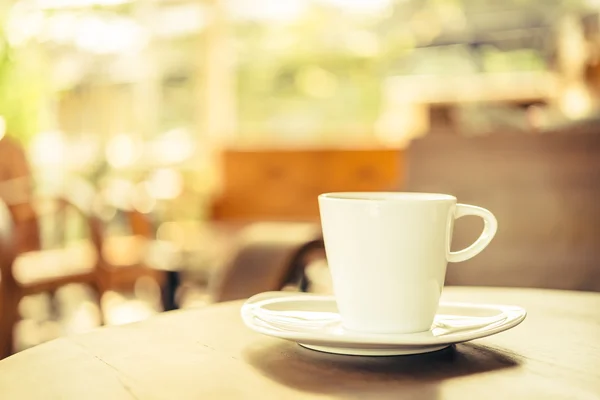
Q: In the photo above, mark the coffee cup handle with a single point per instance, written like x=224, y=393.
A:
x=489, y=230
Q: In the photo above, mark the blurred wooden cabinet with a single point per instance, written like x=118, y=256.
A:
x=283, y=184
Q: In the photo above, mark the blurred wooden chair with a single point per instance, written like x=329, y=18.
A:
x=269, y=256
x=545, y=192
x=123, y=246
x=46, y=243
x=29, y=264
x=105, y=262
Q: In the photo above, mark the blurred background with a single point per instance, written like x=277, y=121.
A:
x=161, y=154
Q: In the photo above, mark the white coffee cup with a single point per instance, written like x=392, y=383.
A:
x=387, y=253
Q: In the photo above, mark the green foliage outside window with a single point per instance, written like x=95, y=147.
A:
x=21, y=85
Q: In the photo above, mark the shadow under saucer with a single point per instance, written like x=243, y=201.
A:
x=410, y=376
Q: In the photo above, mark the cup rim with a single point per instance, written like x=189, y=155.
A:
x=386, y=196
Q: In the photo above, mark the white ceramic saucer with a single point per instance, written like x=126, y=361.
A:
x=313, y=321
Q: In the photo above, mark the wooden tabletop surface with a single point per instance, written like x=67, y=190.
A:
x=209, y=354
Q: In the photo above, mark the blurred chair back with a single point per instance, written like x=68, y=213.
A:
x=545, y=192
x=269, y=256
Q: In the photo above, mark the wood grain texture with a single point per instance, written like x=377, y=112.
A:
x=210, y=354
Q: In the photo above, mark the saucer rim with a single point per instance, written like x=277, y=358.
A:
x=514, y=316
x=383, y=352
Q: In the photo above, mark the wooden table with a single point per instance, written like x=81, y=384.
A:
x=210, y=354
